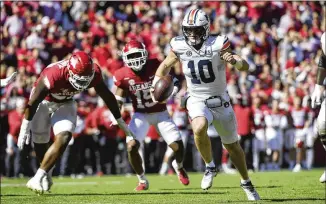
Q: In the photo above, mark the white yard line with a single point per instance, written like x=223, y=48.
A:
x=64, y=183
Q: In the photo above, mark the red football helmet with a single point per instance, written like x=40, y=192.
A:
x=81, y=70
x=134, y=55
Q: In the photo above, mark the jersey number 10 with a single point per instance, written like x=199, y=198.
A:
x=202, y=78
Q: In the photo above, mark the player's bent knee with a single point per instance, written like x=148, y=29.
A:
x=133, y=146
x=64, y=137
x=199, y=126
x=177, y=146
x=232, y=147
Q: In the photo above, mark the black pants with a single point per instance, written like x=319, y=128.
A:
x=246, y=142
x=108, y=151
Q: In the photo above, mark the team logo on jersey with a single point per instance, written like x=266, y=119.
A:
x=209, y=51
x=226, y=104
x=189, y=53
x=131, y=82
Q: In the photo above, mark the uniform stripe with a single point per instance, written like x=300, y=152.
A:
x=191, y=16
x=196, y=16
x=226, y=45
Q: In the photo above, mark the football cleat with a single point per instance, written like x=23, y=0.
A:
x=322, y=179
x=182, y=174
x=47, y=183
x=142, y=186
x=249, y=189
x=297, y=168
x=35, y=184
x=209, y=175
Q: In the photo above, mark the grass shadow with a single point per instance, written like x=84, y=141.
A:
x=114, y=194
x=215, y=188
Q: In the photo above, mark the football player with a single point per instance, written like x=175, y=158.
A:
x=8, y=80
x=317, y=96
x=135, y=81
x=203, y=60
x=51, y=104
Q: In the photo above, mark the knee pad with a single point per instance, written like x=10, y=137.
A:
x=41, y=138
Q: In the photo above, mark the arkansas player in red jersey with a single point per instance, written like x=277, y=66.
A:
x=51, y=104
x=135, y=81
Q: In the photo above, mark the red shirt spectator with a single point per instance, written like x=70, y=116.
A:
x=245, y=119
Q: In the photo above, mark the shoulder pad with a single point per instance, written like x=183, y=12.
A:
x=218, y=42
x=178, y=44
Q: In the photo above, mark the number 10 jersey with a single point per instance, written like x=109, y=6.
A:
x=203, y=69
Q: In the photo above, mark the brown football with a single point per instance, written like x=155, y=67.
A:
x=163, y=88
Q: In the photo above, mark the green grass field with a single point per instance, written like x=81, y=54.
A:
x=282, y=187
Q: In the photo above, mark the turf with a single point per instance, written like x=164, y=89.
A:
x=277, y=187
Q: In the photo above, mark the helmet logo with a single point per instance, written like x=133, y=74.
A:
x=73, y=62
x=131, y=82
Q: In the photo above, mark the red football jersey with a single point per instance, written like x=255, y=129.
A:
x=56, y=79
x=138, y=86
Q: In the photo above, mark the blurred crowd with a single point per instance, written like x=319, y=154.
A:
x=280, y=41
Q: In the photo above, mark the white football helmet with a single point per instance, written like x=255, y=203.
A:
x=195, y=26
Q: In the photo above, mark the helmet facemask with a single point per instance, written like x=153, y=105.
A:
x=195, y=35
x=80, y=83
x=135, y=59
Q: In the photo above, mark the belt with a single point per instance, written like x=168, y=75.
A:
x=216, y=102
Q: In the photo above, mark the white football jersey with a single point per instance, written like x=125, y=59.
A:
x=203, y=69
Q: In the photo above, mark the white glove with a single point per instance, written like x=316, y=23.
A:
x=316, y=97
x=24, y=134
x=123, y=125
x=8, y=80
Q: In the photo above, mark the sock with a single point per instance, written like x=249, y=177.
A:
x=310, y=157
x=142, y=178
x=40, y=173
x=210, y=164
x=245, y=181
x=164, y=168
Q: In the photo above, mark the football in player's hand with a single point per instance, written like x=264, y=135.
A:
x=163, y=88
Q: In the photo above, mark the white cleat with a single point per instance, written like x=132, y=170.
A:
x=297, y=168
x=47, y=183
x=250, y=191
x=207, y=180
x=35, y=184
x=322, y=179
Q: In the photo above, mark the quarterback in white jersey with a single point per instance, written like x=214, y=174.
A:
x=317, y=96
x=203, y=59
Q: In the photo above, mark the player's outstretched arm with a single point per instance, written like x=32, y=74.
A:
x=37, y=96
x=234, y=59
x=111, y=102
